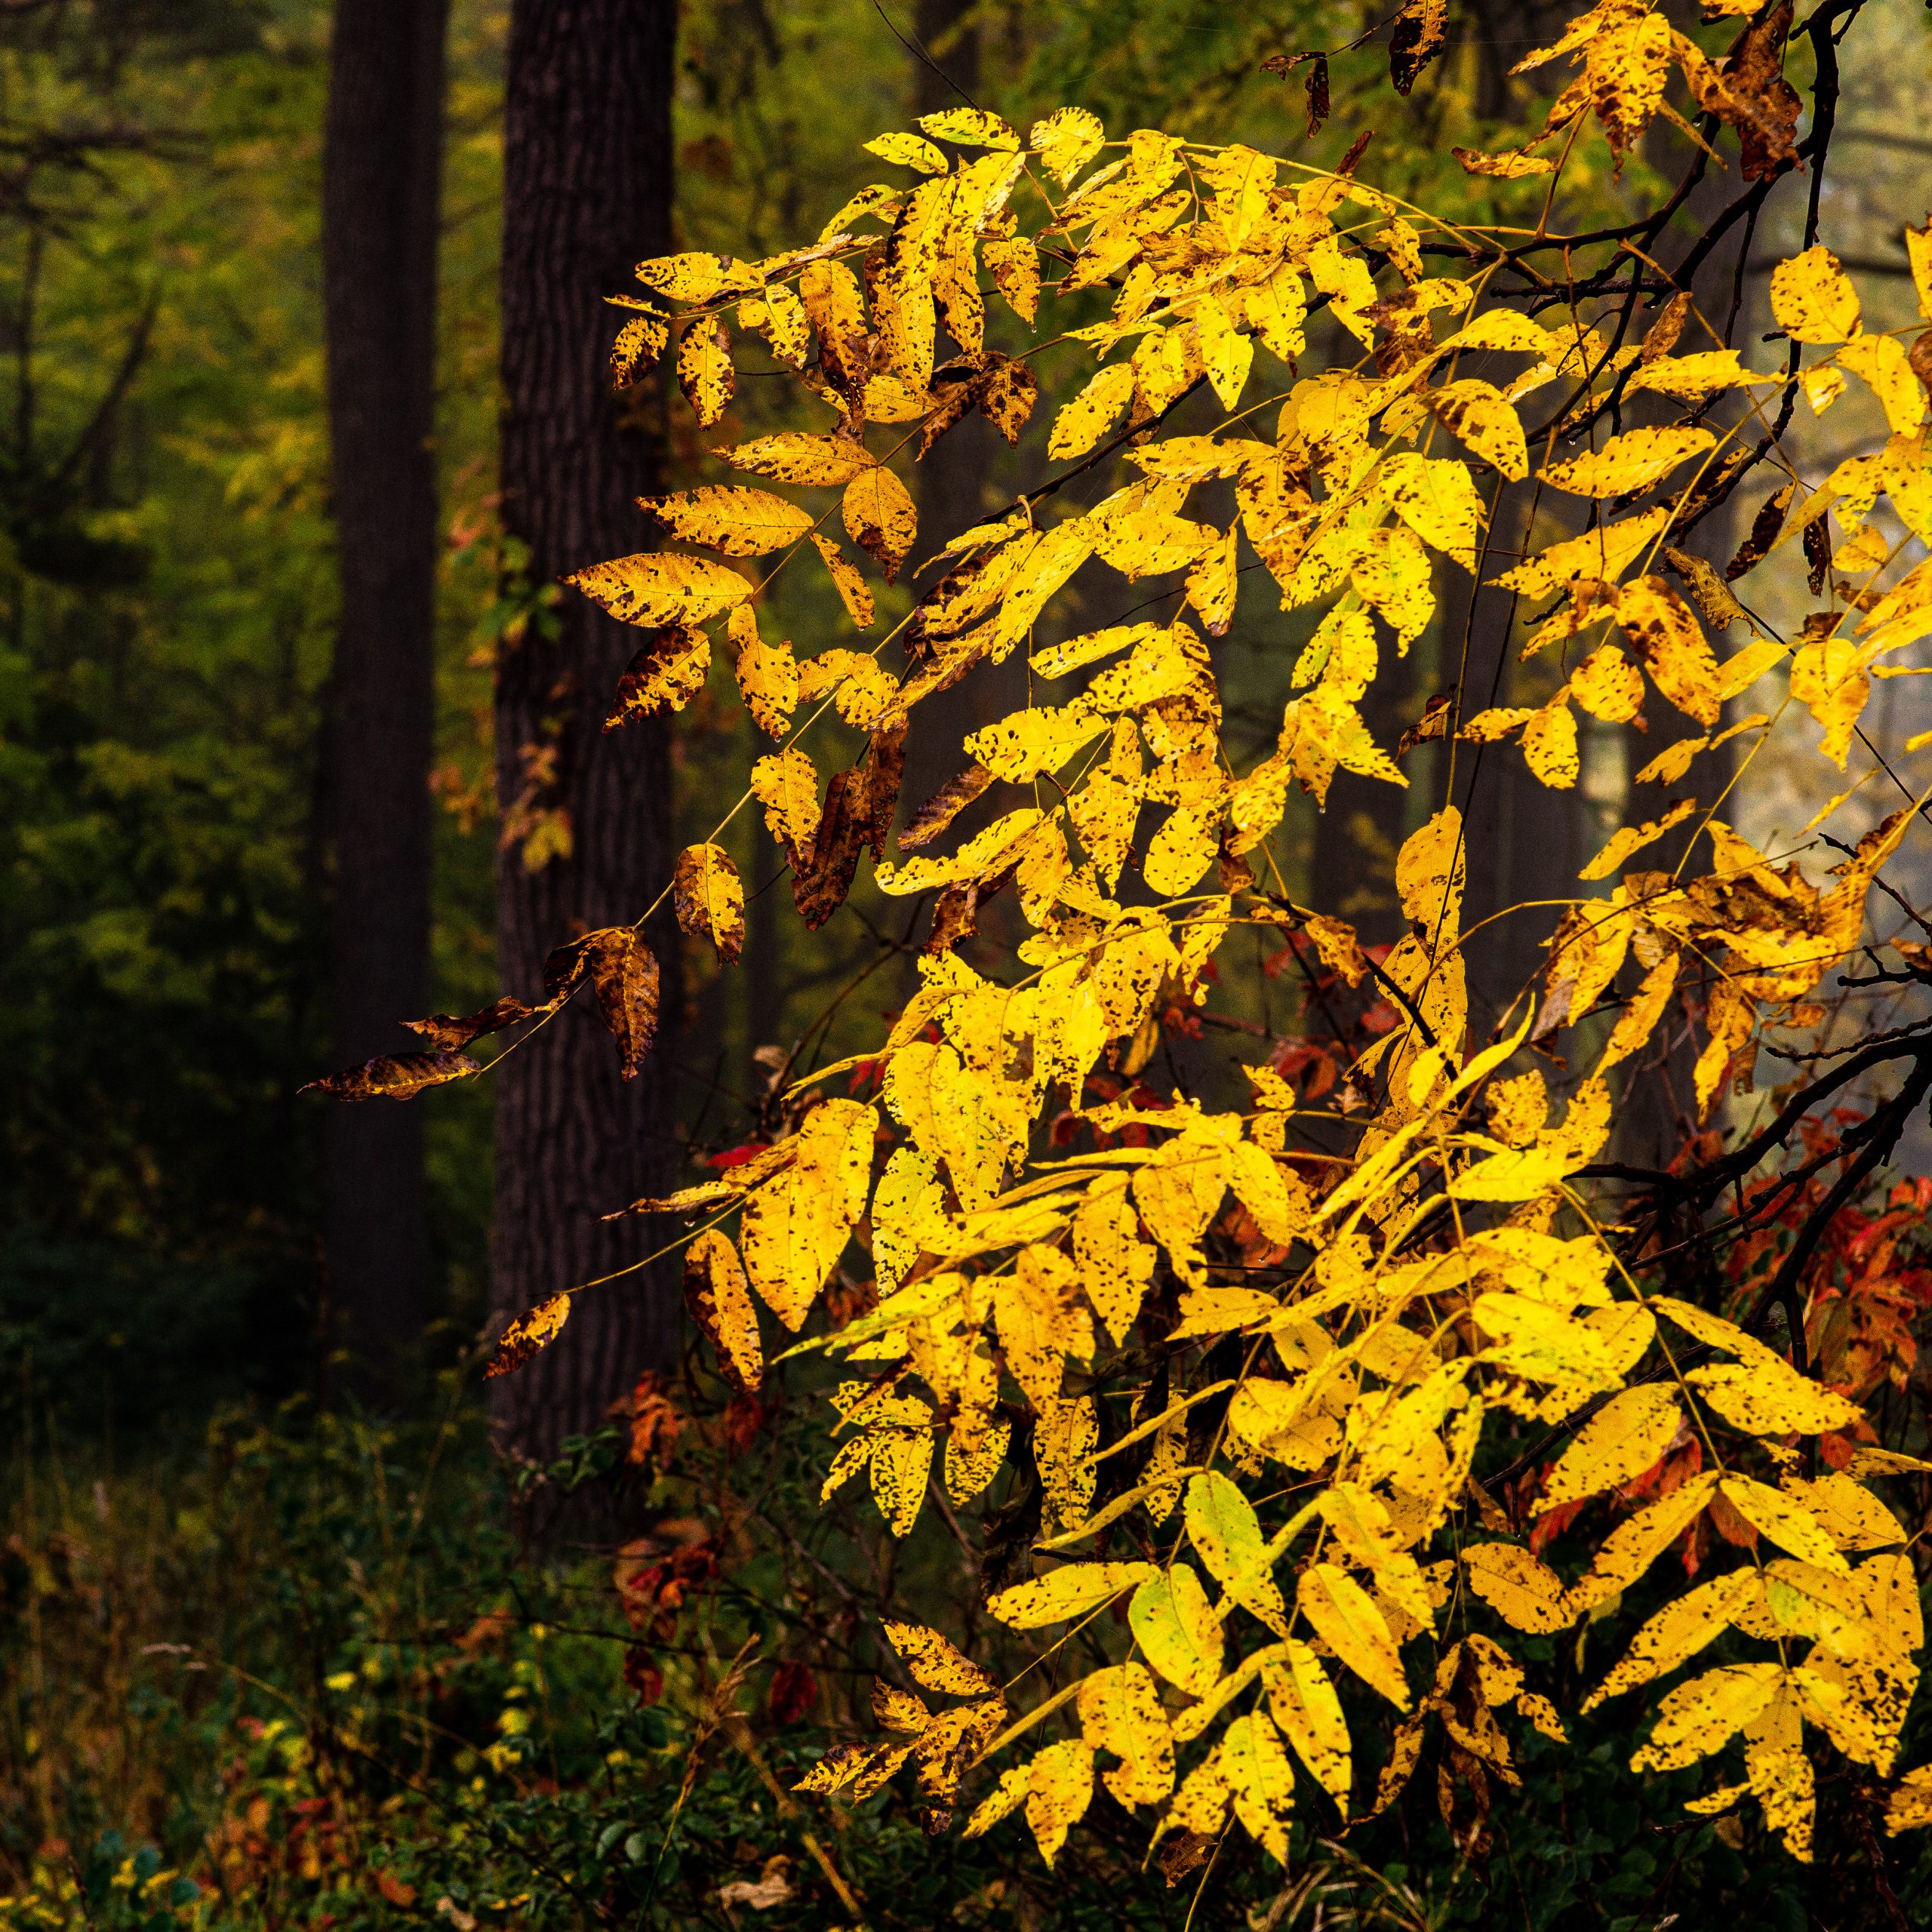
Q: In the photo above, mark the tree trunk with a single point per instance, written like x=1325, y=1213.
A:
x=382, y=182
x=586, y=196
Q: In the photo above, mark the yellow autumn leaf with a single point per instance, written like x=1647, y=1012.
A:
x=1630, y=1549
x=1772, y=1398
x=1066, y=139
x=704, y=369
x=1784, y=1521
x=1831, y=678
x=1065, y=1593
x=1672, y=644
x=741, y=522
x=796, y=1226
x=880, y=516
x=1628, y=464
x=716, y=1294
x=1479, y=413
x=1676, y=1634
x=1601, y=554
x=1629, y=1434
x=1702, y=1716
x=667, y=672
x=1343, y=1615
x=767, y=676
x=1812, y=298
x=1506, y=166
x=1629, y=840
x=1040, y=739
x=658, y=590
x=1434, y=496
x=854, y=592
x=936, y=1664
x=533, y=1331
x=785, y=783
x=1227, y=354
x=794, y=457
x=697, y=278
x=1519, y=1586
x=1549, y=745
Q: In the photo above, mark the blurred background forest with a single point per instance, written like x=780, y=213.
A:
x=188, y=1463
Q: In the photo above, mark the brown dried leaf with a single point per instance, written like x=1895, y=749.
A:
x=668, y=671
x=1417, y=39
x=1661, y=336
x=943, y=807
x=820, y=882
x=622, y=972
x=1765, y=106
x=709, y=898
x=1764, y=529
x=1006, y=394
x=450, y=1032
x=394, y=1076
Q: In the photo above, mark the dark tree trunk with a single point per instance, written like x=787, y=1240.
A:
x=950, y=486
x=382, y=181
x=586, y=196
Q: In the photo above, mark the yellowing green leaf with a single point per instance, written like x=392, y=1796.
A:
x=1176, y=1627
x=1261, y=1781
x=907, y=151
x=1309, y=1713
x=1120, y=1711
x=1226, y=1534
x=969, y=127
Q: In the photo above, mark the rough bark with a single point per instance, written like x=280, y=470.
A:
x=587, y=194
x=382, y=173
